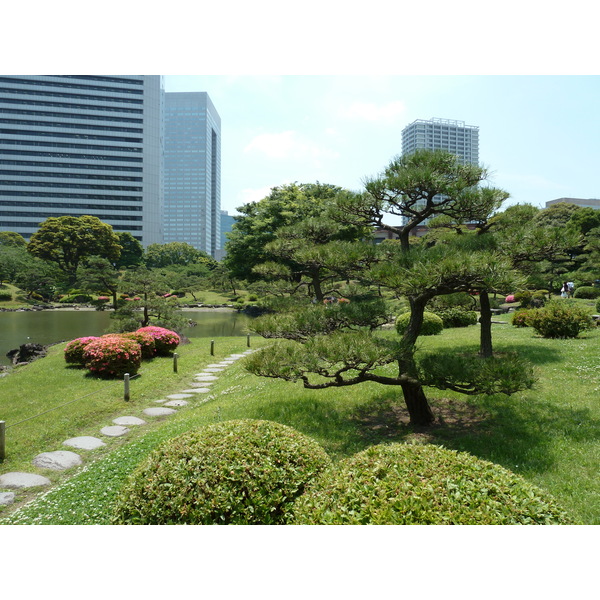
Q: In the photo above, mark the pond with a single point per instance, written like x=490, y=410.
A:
x=52, y=326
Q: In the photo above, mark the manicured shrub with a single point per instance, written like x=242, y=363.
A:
x=560, y=319
x=76, y=299
x=113, y=356
x=144, y=339
x=432, y=324
x=235, y=472
x=510, y=299
x=406, y=484
x=587, y=292
x=75, y=348
x=457, y=317
x=5, y=296
x=520, y=317
x=598, y=306
x=165, y=340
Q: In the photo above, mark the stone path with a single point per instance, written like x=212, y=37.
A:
x=61, y=460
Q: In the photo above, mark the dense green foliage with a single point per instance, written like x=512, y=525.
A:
x=457, y=317
x=560, y=319
x=520, y=318
x=432, y=323
x=587, y=292
x=406, y=484
x=235, y=472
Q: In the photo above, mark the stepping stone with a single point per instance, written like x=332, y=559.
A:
x=236, y=356
x=6, y=498
x=158, y=412
x=57, y=461
x=160, y=401
x=114, y=430
x=214, y=366
x=179, y=396
x=213, y=369
x=198, y=391
x=177, y=403
x=85, y=442
x=206, y=377
x=128, y=421
x=225, y=364
x=17, y=480
x=198, y=384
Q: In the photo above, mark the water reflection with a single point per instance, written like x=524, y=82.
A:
x=50, y=327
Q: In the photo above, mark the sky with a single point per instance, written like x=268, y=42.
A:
x=538, y=134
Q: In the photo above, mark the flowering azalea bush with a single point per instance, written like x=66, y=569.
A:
x=75, y=348
x=113, y=356
x=510, y=298
x=144, y=339
x=165, y=340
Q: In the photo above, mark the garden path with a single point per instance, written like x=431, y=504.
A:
x=60, y=460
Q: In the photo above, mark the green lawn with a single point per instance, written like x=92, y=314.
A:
x=550, y=435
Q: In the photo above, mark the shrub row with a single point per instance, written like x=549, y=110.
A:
x=587, y=292
x=114, y=354
x=5, y=296
x=260, y=472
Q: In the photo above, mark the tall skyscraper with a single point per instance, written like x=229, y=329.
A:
x=442, y=134
x=82, y=145
x=192, y=177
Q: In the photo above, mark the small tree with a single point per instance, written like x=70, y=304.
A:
x=97, y=274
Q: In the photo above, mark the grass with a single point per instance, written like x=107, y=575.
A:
x=550, y=435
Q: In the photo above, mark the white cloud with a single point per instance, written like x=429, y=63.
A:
x=289, y=144
x=368, y=111
x=253, y=195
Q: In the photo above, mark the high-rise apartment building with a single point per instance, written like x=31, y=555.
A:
x=82, y=145
x=192, y=177
x=442, y=134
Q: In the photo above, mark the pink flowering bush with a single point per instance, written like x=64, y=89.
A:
x=113, y=356
x=510, y=298
x=165, y=340
x=75, y=348
x=144, y=339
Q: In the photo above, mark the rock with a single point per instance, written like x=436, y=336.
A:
x=114, y=430
x=199, y=384
x=200, y=390
x=178, y=396
x=176, y=403
x=57, y=461
x=213, y=370
x=6, y=498
x=128, y=421
x=205, y=377
x=26, y=353
x=84, y=442
x=159, y=412
x=17, y=480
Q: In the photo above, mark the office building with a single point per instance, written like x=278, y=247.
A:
x=192, y=176
x=442, y=134
x=82, y=145
x=583, y=202
x=227, y=222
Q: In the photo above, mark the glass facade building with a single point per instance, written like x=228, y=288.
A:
x=443, y=134
x=82, y=145
x=192, y=175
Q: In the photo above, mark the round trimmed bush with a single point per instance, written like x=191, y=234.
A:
x=587, y=292
x=144, y=339
x=457, y=317
x=113, y=356
x=165, y=340
x=236, y=472
x=405, y=484
x=510, y=299
x=75, y=348
x=560, y=319
x=598, y=306
x=432, y=324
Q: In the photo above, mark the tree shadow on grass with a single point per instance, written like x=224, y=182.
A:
x=518, y=435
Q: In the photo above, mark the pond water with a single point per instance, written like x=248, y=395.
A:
x=51, y=326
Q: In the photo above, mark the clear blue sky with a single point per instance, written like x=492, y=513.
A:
x=539, y=135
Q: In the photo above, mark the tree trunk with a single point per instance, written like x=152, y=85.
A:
x=485, y=343
x=416, y=403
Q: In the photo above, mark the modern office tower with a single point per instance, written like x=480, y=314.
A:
x=227, y=222
x=81, y=145
x=442, y=134
x=583, y=202
x=192, y=177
